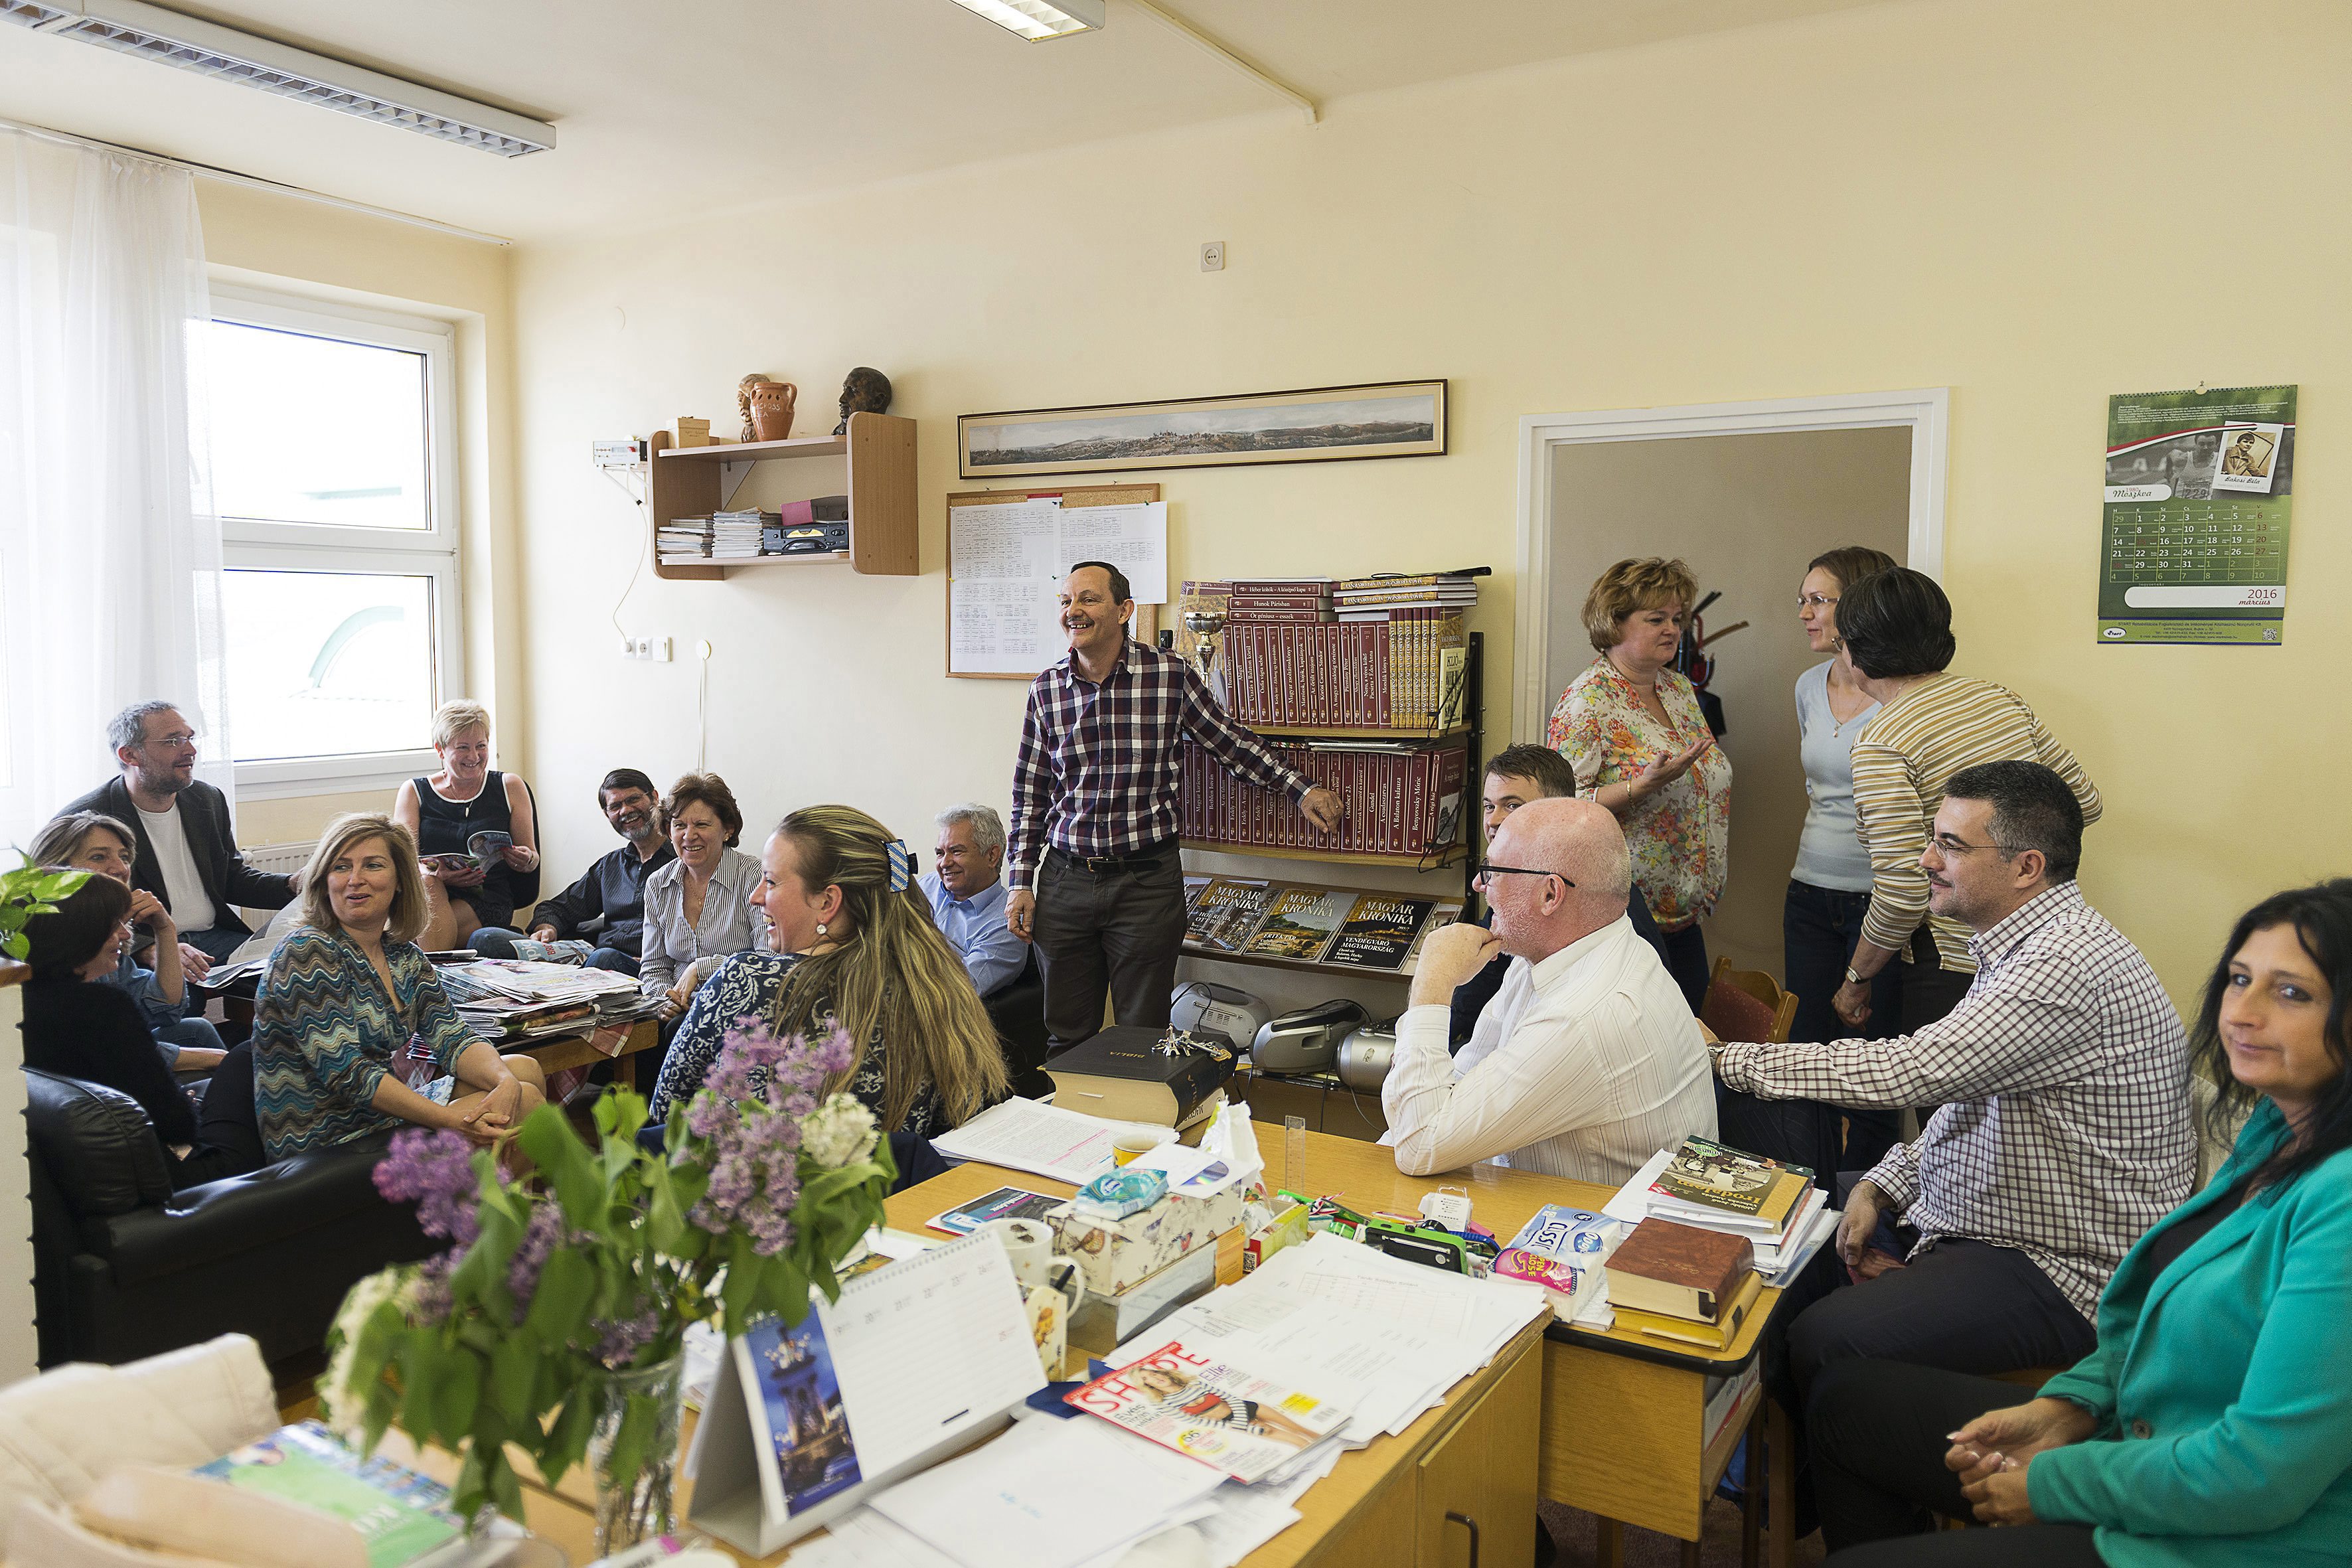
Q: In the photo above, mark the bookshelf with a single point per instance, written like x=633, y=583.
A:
x=694, y=481
x=1451, y=855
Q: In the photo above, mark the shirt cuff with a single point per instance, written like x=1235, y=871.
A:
x=1733, y=1063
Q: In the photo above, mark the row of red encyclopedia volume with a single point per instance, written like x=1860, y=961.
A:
x=1397, y=803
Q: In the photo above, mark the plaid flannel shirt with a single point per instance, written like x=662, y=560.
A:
x=2065, y=1129
x=1097, y=771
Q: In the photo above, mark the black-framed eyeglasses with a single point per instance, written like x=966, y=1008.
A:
x=1947, y=845
x=1485, y=869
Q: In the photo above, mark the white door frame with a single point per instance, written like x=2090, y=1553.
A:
x=1926, y=410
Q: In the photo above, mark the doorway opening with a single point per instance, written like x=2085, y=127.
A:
x=1745, y=494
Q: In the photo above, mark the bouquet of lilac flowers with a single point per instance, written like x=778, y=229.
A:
x=552, y=1287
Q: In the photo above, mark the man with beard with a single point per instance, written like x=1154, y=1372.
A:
x=608, y=903
x=187, y=853
x=1095, y=882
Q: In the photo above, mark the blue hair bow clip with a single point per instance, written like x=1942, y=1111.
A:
x=902, y=864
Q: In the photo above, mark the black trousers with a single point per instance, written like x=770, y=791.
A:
x=1819, y=927
x=1685, y=951
x=1111, y=933
x=1878, y=1437
x=228, y=1132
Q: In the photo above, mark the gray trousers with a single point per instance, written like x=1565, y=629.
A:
x=1114, y=931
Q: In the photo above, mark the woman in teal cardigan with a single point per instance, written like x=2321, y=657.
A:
x=2213, y=1426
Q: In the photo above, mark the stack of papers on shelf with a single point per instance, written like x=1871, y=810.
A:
x=1779, y=1257
x=735, y=535
x=684, y=540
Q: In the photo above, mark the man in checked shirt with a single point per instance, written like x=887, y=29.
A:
x=2064, y=1130
x=1095, y=882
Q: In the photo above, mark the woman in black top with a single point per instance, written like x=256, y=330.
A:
x=78, y=1026
x=444, y=811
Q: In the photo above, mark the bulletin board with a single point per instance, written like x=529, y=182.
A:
x=962, y=661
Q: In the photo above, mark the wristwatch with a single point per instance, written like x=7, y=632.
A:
x=1853, y=979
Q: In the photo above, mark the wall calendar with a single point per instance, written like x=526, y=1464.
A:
x=2194, y=529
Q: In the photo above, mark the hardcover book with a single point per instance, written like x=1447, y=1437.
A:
x=1123, y=1074
x=1379, y=932
x=1712, y=1183
x=1226, y=913
x=1299, y=923
x=1715, y=1336
x=1679, y=1271
x=1209, y=1410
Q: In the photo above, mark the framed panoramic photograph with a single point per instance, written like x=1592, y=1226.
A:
x=1318, y=424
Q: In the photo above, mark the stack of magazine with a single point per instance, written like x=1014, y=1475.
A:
x=1777, y=1207
x=1194, y=1402
x=1378, y=932
x=520, y=999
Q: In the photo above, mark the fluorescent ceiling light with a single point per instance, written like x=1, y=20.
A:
x=1036, y=20
x=153, y=33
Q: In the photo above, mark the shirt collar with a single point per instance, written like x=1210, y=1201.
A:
x=1551, y=971
x=1068, y=665
x=979, y=902
x=2023, y=920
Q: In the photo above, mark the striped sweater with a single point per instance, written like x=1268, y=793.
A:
x=1902, y=760
x=325, y=1035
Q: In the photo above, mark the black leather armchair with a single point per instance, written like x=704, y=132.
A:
x=1017, y=1009
x=125, y=1268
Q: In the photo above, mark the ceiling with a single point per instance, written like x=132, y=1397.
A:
x=670, y=110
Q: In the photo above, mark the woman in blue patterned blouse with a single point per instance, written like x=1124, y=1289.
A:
x=349, y=990
x=852, y=939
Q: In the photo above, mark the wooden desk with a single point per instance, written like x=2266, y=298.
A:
x=574, y=1051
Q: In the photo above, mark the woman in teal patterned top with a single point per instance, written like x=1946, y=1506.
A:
x=347, y=992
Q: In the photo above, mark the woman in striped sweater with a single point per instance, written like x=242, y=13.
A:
x=1896, y=626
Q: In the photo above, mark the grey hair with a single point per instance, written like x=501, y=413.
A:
x=987, y=827
x=129, y=728
x=453, y=718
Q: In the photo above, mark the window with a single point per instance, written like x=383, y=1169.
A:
x=332, y=474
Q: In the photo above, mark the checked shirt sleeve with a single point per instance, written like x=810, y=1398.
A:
x=1235, y=748
x=1032, y=791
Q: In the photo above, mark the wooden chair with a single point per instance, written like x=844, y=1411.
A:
x=1747, y=1005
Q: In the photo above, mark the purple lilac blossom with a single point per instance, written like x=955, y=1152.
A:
x=436, y=1171
x=539, y=1238
x=622, y=1340
x=748, y=1113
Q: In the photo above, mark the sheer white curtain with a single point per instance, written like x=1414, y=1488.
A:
x=109, y=554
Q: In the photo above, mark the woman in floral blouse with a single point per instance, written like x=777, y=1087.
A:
x=1632, y=729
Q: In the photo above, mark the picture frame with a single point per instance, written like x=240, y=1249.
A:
x=1308, y=425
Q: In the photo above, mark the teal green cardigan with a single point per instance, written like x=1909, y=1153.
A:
x=2222, y=1385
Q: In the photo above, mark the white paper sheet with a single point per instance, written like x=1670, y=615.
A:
x=1005, y=568
x=1133, y=538
x=1047, y=1494
x=1045, y=1140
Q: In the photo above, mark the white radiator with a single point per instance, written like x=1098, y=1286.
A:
x=286, y=859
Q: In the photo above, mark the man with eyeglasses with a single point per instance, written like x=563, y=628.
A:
x=2064, y=1129
x=187, y=853
x=1588, y=1061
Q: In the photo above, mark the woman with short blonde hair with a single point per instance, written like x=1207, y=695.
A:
x=1632, y=728
x=447, y=811
x=347, y=992
x=852, y=941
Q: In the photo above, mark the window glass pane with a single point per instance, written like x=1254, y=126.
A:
x=326, y=663
x=314, y=430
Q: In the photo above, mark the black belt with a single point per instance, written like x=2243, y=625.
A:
x=1142, y=859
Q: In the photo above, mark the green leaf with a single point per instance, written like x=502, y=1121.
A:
x=572, y=1431
x=743, y=1286
x=629, y=1443
x=559, y=1307
x=514, y=1376
x=547, y=1137
x=15, y=944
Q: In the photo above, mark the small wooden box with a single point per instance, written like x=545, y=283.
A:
x=693, y=432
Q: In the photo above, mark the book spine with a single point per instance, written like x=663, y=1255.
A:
x=1383, y=648
x=1277, y=617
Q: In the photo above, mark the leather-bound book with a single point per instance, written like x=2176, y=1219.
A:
x=1679, y=1271
x=1122, y=1073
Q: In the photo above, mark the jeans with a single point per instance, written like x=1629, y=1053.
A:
x=217, y=942
x=1878, y=1437
x=189, y=1034
x=1819, y=927
x=1685, y=951
x=497, y=942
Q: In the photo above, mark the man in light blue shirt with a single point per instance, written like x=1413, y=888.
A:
x=967, y=894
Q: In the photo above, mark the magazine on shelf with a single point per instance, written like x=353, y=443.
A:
x=1226, y=913
x=1209, y=1410
x=1299, y=923
x=1444, y=913
x=1379, y=932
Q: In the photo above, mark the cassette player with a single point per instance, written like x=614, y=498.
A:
x=808, y=538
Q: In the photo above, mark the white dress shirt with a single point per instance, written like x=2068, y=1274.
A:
x=1583, y=1065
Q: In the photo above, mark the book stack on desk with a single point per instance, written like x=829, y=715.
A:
x=1678, y=1282
x=1773, y=1205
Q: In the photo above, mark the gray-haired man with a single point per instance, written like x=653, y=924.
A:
x=967, y=894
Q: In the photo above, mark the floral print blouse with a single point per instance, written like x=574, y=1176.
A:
x=1681, y=837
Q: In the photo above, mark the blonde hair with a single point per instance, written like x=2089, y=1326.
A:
x=409, y=913
x=1635, y=583
x=895, y=972
x=62, y=838
x=452, y=720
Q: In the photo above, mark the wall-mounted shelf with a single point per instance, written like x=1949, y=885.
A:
x=694, y=481
x=1342, y=732
x=1451, y=855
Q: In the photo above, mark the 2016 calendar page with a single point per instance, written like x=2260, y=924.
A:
x=2193, y=541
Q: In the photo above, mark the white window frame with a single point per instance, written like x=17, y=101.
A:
x=430, y=552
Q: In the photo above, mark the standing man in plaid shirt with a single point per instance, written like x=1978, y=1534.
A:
x=1095, y=882
x=2064, y=1131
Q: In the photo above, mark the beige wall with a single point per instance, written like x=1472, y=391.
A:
x=267, y=240
x=1747, y=513
x=1999, y=196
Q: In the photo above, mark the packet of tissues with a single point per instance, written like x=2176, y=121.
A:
x=1115, y=1194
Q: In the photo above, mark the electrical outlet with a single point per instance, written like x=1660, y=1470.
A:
x=640, y=648
x=1212, y=256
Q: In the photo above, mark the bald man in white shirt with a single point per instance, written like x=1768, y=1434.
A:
x=1588, y=1061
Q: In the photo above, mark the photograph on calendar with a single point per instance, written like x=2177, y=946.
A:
x=2249, y=457
x=2168, y=467
x=808, y=1424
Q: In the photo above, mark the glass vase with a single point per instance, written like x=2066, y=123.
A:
x=634, y=1455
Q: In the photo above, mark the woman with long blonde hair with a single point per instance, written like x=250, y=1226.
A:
x=852, y=942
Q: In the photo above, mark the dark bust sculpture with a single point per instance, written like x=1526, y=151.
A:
x=863, y=391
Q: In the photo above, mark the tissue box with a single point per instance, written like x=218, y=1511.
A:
x=1114, y=1254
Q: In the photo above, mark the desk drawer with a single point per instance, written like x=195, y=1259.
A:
x=1477, y=1484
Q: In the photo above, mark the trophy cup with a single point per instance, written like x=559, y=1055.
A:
x=1205, y=625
